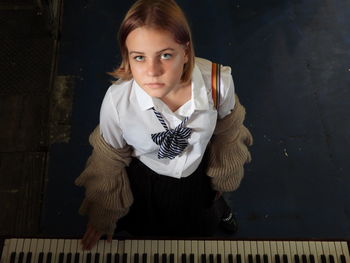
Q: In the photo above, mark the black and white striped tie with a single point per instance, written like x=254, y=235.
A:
x=172, y=142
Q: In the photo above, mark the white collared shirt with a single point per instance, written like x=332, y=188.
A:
x=127, y=117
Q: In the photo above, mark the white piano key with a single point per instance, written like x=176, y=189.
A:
x=280, y=249
x=221, y=250
x=313, y=250
x=240, y=250
x=214, y=247
x=148, y=250
x=141, y=247
x=194, y=250
x=201, y=249
x=260, y=250
x=154, y=249
x=253, y=248
x=133, y=250
x=100, y=248
x=287, y=251
x=174, y=248
x=274, y=251
x=300, y=250
x=319, y=249
x=267, y=250
x=66, y=248
x=39, y=249
x=161, y=248
x=121, y=248
x=332, y=251
x=180, y=249
x=26, y=248
x=325, y=247
x=127, y=249
x=53, y=249
x=9, y=246
x=247, y=250
x=228, y=251
x=167, y=249
x=345, y=249
x=293, y=249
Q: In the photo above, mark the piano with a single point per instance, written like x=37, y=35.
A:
x=18, y=250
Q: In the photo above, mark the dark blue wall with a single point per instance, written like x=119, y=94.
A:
x=290, y=62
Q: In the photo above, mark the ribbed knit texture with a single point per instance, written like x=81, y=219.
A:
x=228, y=150
x=108, y=195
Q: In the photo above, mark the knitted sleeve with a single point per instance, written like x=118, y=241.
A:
x=228, y=150
x=107, y=192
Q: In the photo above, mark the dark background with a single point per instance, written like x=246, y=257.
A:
x=290, y=63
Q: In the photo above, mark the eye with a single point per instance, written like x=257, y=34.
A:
x=139, y=58
x=166, y=56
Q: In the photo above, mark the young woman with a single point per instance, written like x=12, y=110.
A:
x=151, y=162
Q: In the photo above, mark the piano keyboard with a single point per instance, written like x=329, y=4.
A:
x=174, y=251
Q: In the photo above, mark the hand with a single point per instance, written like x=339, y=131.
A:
x=91, y=237
x=218, y=195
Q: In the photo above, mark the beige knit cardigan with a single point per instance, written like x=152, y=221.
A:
x=108, y=196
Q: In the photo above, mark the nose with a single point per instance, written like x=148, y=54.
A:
x=154, y=68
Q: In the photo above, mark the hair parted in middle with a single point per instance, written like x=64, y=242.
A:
x=158, y=14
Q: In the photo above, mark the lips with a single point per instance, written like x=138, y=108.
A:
x=154, y=85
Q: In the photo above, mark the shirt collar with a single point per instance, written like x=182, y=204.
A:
x=199, y=100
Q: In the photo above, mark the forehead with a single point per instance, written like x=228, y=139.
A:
x=146, y=38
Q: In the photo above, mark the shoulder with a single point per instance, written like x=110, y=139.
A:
x=205, y=67
x=119, y=90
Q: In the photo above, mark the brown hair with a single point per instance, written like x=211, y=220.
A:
x=159, y=14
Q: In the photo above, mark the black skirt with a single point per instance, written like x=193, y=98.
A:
x=167, y=206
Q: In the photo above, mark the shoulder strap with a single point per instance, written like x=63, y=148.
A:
x=215, y=84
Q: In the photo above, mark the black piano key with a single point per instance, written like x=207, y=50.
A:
x=230, y=258
x=13, y=257
x=20, y=258
x=69, y=258
x=116, y=258
x=136, y=258
x=41, y=257
x=285, y=258
x=238, y=258
x=172, y=258
x=265, y=258
x=97, y=258
x=76, y=257
x=296, y=259
x=125, y=258
x=323, y=259
x=192, y=258
x=203, y=258
x=342, y=259
x=304, y=258
x=211, y=258
x=250, y=258
x=109, y=258
x=277, y=258
x=156, y=258
x=144, y=258
x=257, y=258
x=312, y=259
x=183, y=258
x=29, y=257
x=218, y=258
x=88, y=258
x=49, y=257
x=61, y=258
x=164, y=258
x=331, y=258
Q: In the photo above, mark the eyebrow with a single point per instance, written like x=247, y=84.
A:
x=160, y=51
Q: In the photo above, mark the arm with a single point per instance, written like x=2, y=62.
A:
x=108, y=195
x=229, y=145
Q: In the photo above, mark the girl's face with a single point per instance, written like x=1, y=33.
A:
x=156, y=61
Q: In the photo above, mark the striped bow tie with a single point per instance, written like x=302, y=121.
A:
x=172, y=142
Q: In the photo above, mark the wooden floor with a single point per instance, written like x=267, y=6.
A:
x=26, y=59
